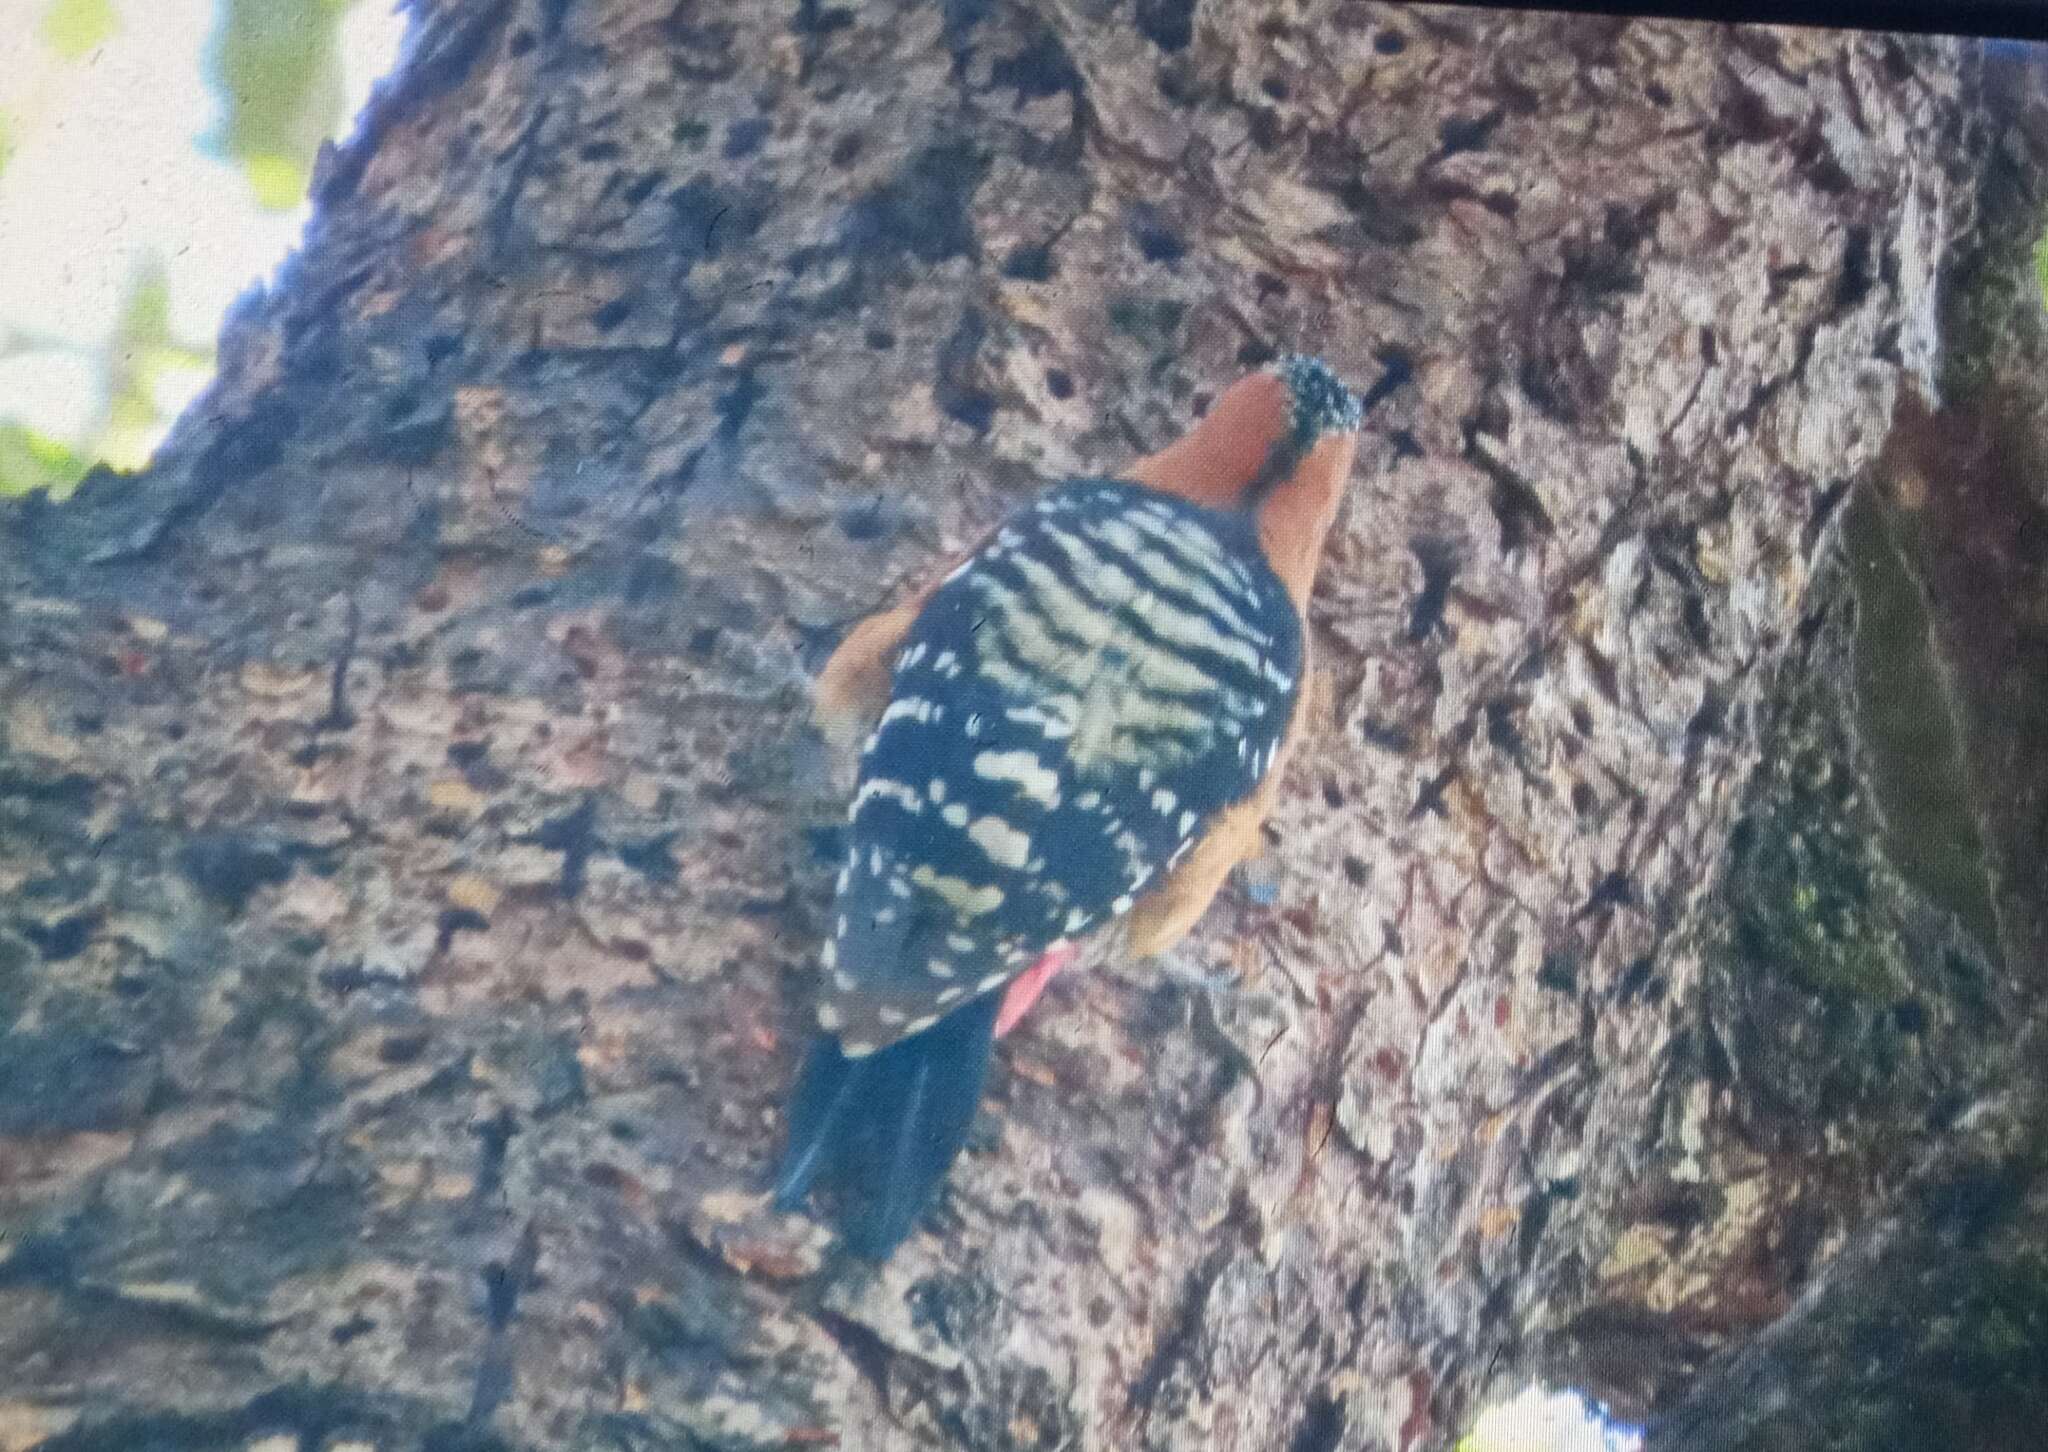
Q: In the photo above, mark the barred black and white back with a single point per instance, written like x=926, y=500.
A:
x=1071, y=707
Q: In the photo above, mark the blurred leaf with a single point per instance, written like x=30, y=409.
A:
x=144, y=353
x=30, y=460
x=276, y=65
x=6, y=142
x=2041, y=267
x=146, y=320
x=75, y=28
x=279, y=182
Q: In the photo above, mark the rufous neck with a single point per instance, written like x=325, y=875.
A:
x=1295, y=517
x=1214, y=462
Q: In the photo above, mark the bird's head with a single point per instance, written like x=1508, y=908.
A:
x=1278, y=443
x=1318, y=402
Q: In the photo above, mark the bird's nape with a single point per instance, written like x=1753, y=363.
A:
x=1254, y=437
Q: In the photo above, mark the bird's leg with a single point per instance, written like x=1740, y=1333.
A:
x=1026, y=986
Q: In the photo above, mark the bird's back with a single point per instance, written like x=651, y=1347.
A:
x=1069, y=709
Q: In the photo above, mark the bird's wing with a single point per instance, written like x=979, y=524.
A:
x=1072, y=714
x=1163, y=916
x=853, y=688
x=853, y=691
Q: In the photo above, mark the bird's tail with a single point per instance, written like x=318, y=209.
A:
x=884, y=1128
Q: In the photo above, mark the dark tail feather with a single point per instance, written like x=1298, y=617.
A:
x=884, y=1128
x=817, y=1107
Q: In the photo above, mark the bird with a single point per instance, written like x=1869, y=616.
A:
x=1076, y=729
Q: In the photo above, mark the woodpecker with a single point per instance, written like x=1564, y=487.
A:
x=1077, y=728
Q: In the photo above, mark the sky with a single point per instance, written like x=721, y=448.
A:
x=108, y=170
x=1542, y=1420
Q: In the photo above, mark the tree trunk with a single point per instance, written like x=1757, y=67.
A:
x=1929, y=1325
x=416, y=850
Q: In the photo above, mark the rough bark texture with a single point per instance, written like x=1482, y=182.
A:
x=1929, y=1325
x=414, y=847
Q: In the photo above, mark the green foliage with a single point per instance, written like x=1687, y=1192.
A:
x=74, y=29
x=30, y=461
x=2041, y=266
x=277, y=67
x=142, y=355
x=144, y=352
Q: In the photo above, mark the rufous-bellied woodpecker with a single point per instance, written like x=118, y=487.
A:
x=1079, y=727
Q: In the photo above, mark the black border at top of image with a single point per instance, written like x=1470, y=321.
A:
x=2017, y=19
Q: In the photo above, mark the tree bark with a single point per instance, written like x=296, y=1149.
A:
x=1929, y=1325
x=416, y=849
